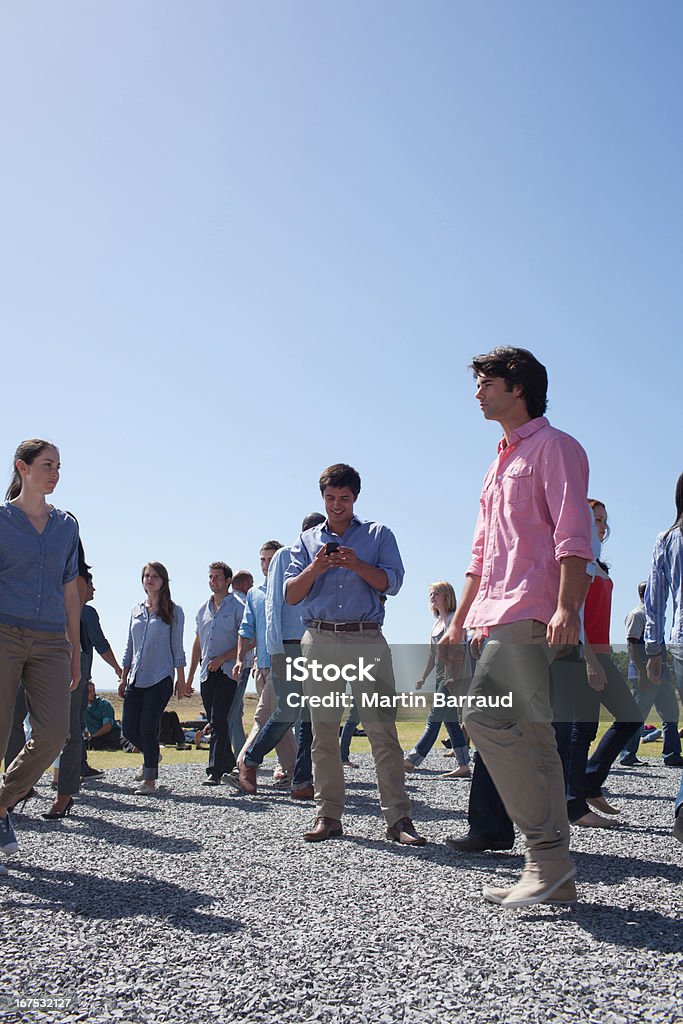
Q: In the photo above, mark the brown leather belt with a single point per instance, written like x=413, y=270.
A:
x=344, y=627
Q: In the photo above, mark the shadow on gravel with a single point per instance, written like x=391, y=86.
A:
x=619, y=926
x=115, y=835
x=131, y=895
x=608, y=868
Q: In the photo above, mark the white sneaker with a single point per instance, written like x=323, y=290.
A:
x=146, y=789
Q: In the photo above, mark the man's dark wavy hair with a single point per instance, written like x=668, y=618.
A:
x=517, y=366
x=340, y=475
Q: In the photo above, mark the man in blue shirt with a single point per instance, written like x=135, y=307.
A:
x=337, y=573
x=284, y=629
x=253, y=634
x=215, y=646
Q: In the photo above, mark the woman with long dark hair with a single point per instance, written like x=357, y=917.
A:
x=154, y=655
x=666, y=580
x=39, y=620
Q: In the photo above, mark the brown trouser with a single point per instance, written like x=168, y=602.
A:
x=342, y=649
x=518, y=745
x=43, y=661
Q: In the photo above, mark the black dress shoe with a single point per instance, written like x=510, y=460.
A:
x=633, y=762
x=472, y=843
x=674, y=762
x=211, y=781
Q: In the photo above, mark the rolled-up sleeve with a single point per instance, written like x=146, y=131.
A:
x=476, y=566
x=71, y=565
x=177, y=626
x=389, y=559
x=656, y=597
x=566, y=494
x=248, y=623
x=127, y=659
x=274, y=600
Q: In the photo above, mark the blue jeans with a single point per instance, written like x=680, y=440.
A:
x=218, y=692
x=435, y=719
x=348, y=731
x=618, y=700
x=235, y=725
x=283, y=718
x=663, y=696
x=142, y=707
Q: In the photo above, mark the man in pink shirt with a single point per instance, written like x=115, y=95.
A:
x=524, y=590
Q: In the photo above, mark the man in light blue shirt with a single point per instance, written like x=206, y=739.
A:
x=284, y=629
x=242, y=582
x=215, y=646
x=253, y=633
x=337, y=574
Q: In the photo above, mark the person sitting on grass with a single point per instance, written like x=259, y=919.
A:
x=102, y=731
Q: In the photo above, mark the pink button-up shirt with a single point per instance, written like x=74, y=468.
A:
x=533, y=513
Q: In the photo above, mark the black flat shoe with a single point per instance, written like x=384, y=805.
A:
x=54, y=815
x=22, y=800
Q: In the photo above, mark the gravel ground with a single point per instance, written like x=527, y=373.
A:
x=204, y=905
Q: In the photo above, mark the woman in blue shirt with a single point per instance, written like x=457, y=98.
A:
x=39, y=620
x=154, y=653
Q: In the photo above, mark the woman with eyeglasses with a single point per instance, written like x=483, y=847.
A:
x=154, y=658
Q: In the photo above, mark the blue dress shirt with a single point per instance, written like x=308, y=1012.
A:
x=154, y=649
x=34, y=568
x=340, y=595
x=666, y=577
x=217, y=632
x=254, y=623
x=283, y=621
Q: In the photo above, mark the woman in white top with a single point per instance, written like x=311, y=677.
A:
x=443, y=603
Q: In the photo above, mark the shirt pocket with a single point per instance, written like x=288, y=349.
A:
x=518, y=483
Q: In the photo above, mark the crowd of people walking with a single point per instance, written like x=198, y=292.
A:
x=522, y=661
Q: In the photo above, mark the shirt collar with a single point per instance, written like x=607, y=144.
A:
x=526, y=430
x=324, y=527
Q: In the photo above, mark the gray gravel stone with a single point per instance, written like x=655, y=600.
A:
x=206, y=907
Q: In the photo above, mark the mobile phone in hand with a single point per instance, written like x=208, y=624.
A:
x=331, y=547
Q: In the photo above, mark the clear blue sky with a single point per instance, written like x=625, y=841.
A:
x=241, y=241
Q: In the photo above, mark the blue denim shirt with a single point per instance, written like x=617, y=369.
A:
x=217, y=632
x=154, y=649
x=283, y=621
x=666, y=578
x=340, y=595
x=34, y=568
x=254, y=623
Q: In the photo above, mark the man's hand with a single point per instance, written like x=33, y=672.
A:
x=237, y=670
x=344, y=558
x=75, y=670
x=597, y=680
x=564, y=629
x=122, y=688
x=322, y=562
x=214, y=664
x=452, y=650
x=654, y=669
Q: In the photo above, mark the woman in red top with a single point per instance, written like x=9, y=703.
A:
x=606, y=686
